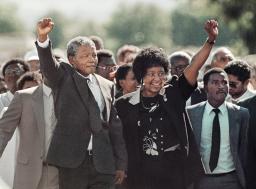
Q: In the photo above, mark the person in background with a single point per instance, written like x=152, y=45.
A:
x=3, y=86
x=239, y=75
x=106, y=66
x=29, y=79
x=125, y=80
x=179, y=60
x=126, y=54
x=220, y=57
x=220, y=130
x=32, y=59
x=97, y=41
x=161, y=146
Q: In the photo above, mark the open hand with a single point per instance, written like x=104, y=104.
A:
x=44, y=27
x=211, y=27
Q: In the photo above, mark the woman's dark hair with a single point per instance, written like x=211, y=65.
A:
x=121, y=74
x=148, y=58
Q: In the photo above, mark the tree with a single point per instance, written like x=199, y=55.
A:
x=9, y=23
x=139, y=24
x=242, y=16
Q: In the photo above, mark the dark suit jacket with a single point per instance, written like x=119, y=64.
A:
x=173, y=99
x=250, y=104
x=75, y=117
x=238, y=123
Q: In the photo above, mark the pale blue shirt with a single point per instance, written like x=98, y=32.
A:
x=225, y=162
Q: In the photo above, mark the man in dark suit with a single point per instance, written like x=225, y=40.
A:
x=220, y=130
x=250, y=104
x=87, y=145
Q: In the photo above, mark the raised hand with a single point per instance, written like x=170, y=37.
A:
x=44, y=27
x=211, y=27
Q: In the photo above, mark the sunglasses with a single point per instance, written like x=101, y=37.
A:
x=108, y=68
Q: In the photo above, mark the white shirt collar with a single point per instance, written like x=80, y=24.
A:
x=9, y=95
x=47, y=90
x=209, y=108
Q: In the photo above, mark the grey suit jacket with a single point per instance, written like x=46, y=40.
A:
x=78, y=116
x=26, y=112
x=238, y=123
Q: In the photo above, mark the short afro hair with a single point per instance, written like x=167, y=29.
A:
x=148, y=58
x=238, y=68
x=15, y=61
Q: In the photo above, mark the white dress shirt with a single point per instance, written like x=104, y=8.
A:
x=225, y=162
x=5, y=99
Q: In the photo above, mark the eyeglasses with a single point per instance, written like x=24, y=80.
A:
x=108, y=68
x=14, y=71
x=152, y=75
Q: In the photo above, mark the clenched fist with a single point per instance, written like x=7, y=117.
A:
x=44, y=27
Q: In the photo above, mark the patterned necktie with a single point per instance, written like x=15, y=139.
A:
x=215, y=149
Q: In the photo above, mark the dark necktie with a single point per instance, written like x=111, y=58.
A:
x=215, y=149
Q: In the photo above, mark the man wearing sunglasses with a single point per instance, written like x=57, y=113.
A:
x=238, y=74
x=106, y=64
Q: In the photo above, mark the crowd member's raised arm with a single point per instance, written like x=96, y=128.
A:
x=191, y=72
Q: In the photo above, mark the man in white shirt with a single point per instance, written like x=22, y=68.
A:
x=32, y=112
x=220, y=131
x=11, y=71
x=239, y=76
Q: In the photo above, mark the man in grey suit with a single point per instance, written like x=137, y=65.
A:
x=30, y=112
x=220, y=130
x=87, y=145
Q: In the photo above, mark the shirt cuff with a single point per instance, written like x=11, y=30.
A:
x=44, y=44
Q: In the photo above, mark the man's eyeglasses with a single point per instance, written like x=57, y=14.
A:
x=179, y=67
x=108, y=68
x=14, y=71
x=225, y=59
x=233, y=84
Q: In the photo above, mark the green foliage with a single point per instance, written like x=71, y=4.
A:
x=242, y=15
x=140, y=24
x=9, y=23
x=188, y=29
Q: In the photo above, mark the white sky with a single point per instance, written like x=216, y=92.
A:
x=100, y=10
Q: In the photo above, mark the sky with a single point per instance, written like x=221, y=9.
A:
x=100, y=10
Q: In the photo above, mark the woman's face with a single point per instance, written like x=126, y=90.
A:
x=153, y=81
x=129, y=84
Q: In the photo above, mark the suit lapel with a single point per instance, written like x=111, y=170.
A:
x=233, y=129
x=82, y=88
x=38, y=106
x=198, y=114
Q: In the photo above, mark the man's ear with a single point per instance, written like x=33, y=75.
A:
x=121, y=83
x=71, y=59
x=246, y=83
x=205, y=88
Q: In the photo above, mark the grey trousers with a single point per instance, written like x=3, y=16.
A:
x=49, y=178
x=227, y=181
x=85, y=177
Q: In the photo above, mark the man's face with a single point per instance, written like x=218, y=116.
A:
x=222, y=59
x=12, y=74
x=217, y=88
x=85, y=60
x=178, y=67
x=34, y=65
x=129, y=84
x=106, y=68
x=236, y=88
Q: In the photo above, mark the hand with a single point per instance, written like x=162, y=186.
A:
x=44, y=27
x=211, y=27
x=120, y=175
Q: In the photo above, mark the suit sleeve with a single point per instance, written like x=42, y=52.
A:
x=243, y=136
x=50, y=67
x=10, y=121
x=117, y=140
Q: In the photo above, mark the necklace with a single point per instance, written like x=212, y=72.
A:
x=152, y=107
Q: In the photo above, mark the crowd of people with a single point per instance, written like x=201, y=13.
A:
x=143, y=120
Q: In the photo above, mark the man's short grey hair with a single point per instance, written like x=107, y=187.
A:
x=179, y=55
x=76, y=42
